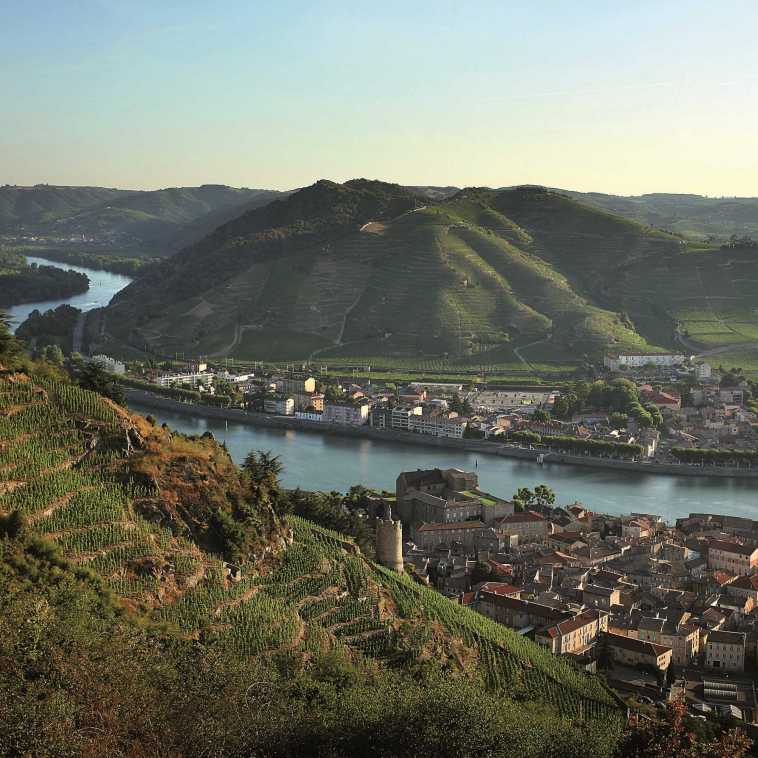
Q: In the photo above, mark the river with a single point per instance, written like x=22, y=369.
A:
x=326, y=462
x=103, y=285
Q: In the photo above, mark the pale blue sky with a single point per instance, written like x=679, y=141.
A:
x=609, y=96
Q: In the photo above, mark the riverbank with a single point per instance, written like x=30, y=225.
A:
x=103, y=285
x=266, y=420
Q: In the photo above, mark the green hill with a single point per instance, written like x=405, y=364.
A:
x=159, y=221
x=693, y=216
x=123, y=534
x=372, y=269
x=43, y=203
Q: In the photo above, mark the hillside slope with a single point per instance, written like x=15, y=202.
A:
x=367, y=268
x=161, y=220
x=181, y=537
x=44, y=203
x=690, y=215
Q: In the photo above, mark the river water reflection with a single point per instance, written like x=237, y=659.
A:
x=103, y=285
x=326, y=462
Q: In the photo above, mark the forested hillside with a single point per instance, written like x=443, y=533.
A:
x=24, y=283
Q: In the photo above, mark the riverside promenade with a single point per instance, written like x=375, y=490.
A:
x=267, y=420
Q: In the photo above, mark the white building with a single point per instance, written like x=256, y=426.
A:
x=683, y=639
x=731, y=396
x=438, y=424
x=309, y=415
x=347, y=415
x=235, y=378
x=401, y=417
x=703, y=371
x=573, y=635
x=283, y=406
x=733, y=557
x=109, y=364
x=615, y=361
x=193, y=379
x=725, y=651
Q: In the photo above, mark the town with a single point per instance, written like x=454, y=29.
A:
x=661, y=410
x=665, y=611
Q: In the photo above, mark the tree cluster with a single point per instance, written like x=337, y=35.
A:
x=711, y=457
x=334, y=511
x=31, y=283
x=541, y=497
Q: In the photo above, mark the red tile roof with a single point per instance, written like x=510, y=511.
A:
x=500, y=588
x=731, y=547
x=521, y=517
x=503, y=569
x=723, y=577
x=580, y=620
x=663, y=398
x=637, y=646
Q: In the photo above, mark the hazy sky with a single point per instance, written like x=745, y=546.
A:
x=624, y=97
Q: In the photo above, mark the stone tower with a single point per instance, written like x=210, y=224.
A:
x=389, y=542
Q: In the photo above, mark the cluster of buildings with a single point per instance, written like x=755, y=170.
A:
x=715, y=417
x=410, y=409
x=713, y=414
x=634, y=360
x=650, y=603
x=433, y=409
x=201, y=377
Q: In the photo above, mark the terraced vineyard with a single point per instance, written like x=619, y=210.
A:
x=318, y=594
x=369, y=269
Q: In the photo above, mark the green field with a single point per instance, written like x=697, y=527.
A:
x=709, y=294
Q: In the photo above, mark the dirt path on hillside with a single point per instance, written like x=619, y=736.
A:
x=525, y=361
x=239, y=330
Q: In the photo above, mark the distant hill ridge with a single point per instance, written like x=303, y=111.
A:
x=165, y=219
